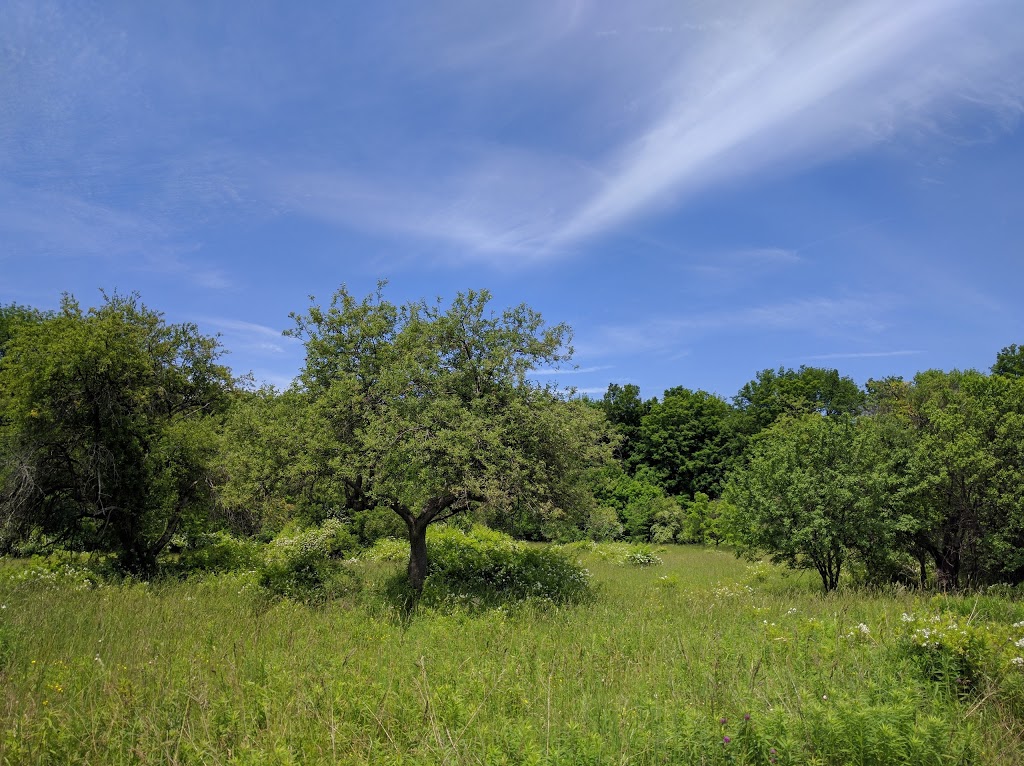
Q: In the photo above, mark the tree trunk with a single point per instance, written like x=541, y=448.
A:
x=417, y=553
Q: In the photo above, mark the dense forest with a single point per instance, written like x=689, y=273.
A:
x=124, y=435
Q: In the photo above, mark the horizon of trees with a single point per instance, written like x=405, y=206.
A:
x=122, y=433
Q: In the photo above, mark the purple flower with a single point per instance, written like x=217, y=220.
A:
x=773, y=751
x=746, y=716
x=726, y=740
x=723, y=721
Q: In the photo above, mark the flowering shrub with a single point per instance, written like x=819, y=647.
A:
x=641, y=556
x=485, y=567
x=947, y=649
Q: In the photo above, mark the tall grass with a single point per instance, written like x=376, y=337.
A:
x=699, y=660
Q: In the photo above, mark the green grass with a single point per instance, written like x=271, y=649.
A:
x=211, y=672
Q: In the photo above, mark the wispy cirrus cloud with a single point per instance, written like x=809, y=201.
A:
x=814, y=316
x=860, y=355
x=251, y=336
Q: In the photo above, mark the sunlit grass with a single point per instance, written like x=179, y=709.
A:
x=213, y=672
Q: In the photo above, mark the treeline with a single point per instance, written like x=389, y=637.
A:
x=122, y=433
x=918, y=481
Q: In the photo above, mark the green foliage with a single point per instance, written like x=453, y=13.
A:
x=772, y=395
x=387, y=549
x=947, y=649
x=809, y=497
x=965, y=475
x=684, y=442
x=106, y=434
x=603, y=524
x=625, y=410
x=219, y=552
x=486, y=567
x=308, y=566
x=428, y=410
x=1010, y=362
x=642, y=556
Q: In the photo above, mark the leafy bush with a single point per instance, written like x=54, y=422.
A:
x=388, y=549
x=220, y=552
x=947, y=649
x=308, y=567
x=642, y=556
x=487, y=567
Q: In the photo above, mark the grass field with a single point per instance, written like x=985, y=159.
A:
x=700, y=660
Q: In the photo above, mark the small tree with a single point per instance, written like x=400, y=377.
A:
x=428, y=410
x=105, y=432
x=808, y=497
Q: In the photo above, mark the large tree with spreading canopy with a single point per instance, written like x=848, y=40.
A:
x=428, y=409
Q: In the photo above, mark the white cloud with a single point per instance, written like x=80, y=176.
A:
x=816, y=316
x=252, y=337
x=861, y=355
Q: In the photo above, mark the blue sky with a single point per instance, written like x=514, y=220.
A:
x=701, y=189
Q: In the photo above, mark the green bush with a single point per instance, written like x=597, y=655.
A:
x=220, y=552
x=485, y=567
x=388, y=549
x=947, y=649
x=642, y=556
x=309, y=566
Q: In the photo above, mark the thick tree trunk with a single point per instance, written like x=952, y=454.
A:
x=417, y=553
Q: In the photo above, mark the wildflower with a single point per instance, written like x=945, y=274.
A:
x=907, y=618
x=723, y=721
x=1018, y=660
x=746, y=716
x=1019, y=643
x=726, y=740
x=864, y=629
x=1018, y=624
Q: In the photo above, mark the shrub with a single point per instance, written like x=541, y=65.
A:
x=388, y=549
x=308, y=567
x=220, y=552
x=641, y=556
x=485, y=567
x=947, y=649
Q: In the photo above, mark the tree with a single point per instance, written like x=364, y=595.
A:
x=107, y=436
x=1010, y=362
x=625, y=410
x=966, y=473
x=428, y=410
x=808, y=497
x=684, y=440
x=773, y=394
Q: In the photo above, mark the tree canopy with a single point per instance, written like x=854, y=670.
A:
x=107, y=436
x=428, y=410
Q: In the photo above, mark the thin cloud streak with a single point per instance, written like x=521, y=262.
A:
x=861, y=355
x=799, y=85
x=818, y=316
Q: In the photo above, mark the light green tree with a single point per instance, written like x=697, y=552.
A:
x=808, y=496
x=428, y=410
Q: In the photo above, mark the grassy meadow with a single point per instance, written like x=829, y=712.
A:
x=703, y=659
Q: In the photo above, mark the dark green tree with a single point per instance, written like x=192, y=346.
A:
x=108, y=436
x=966, y=473
x=773, y=394
x=1010, y=362
x=625, y=410
x=685, y=442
